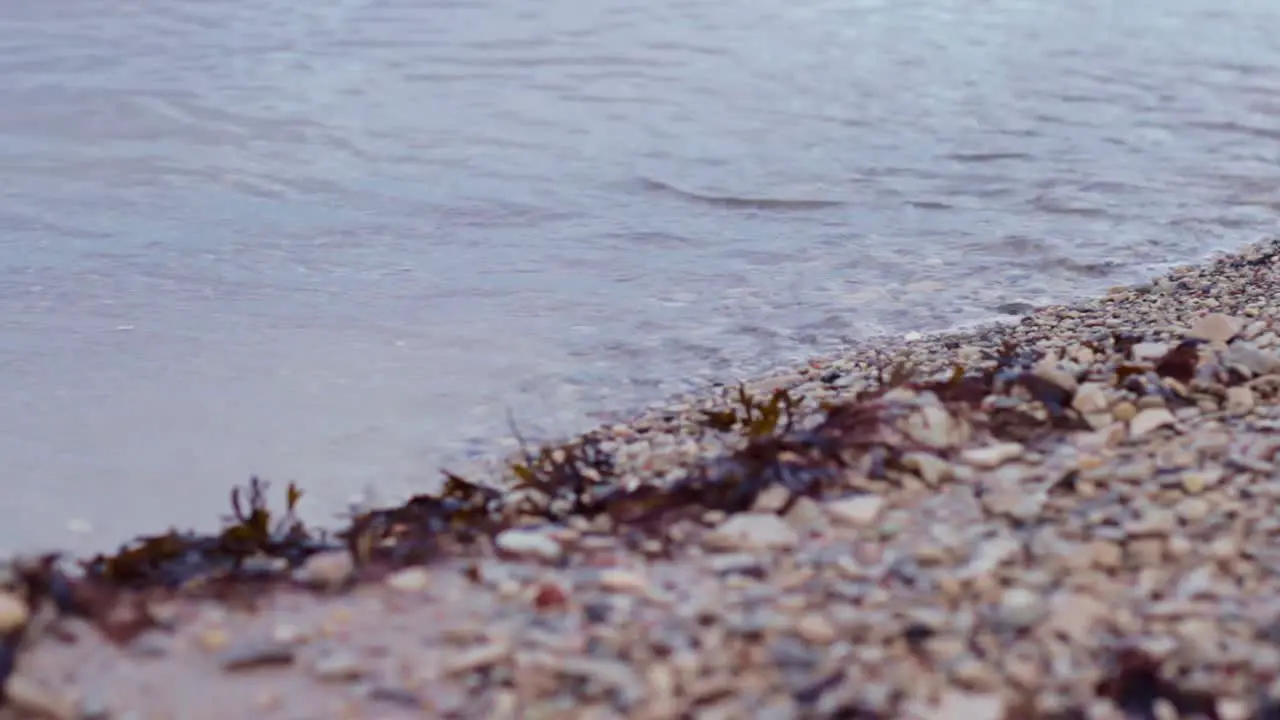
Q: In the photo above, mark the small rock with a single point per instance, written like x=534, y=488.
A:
x=1150, y=420
x=1239, y=400
x=613, y=676
x=753, y=531
x=326, y=570
x=475, y=658
x=263, y=566
x=1124, y=411
x=816, y=629
x=934, y=427
x=1149, y=351
x=94, y=707
x=773, y=499
x=1252, y=358
x=931, y=468
x=1074, y=615
x=1194, y=509
x=992, y=455
x=960, y=705
x=529, y=543
x=806, y=516
x=338, y=666
x=1196, y=481
x=14, y=612
x=1215, y=327
x=973, y=674
x=1106, y=555
x=395, y=695
x=253, y=655
x=1233, y=709
x=30, y=699
x=288, y=634
x=989, y=556
x=734, y=563
x=1091, y=398
x=623, y=581
x=1155, y=521
x=860, y=510
x=1057, y=375
x=1021, y=608
x=409, y=580
x=151, y=644
x=213, y=639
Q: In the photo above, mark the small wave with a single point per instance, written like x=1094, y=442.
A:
x=739, y=201
x=986, y=157
x=930, y=205
x=1236, y=128
x=1058, y=205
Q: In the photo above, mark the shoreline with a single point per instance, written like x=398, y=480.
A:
x=1064, y=513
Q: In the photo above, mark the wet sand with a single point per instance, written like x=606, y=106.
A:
x=1070, y=516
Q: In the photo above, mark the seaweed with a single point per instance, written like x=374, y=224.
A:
x=758, y=419
x=565, y=477
x=1134, y=683
x=421, y=528
x=1123, y=343
x=1180, y=363
x=174, y=558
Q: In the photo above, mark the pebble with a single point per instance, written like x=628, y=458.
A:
x=1124, y=411
x=933, y=426
x=1150, y=420
x=1239, y=401
x=13, y=612
x=1021, y=608
x=731, y=563
x=529, y=543
x=256, y=654
x=816, y=628
x=475, y=658
x=409, y=580
x=1252, y=358
x=1091, y=398
x=151, y=644
x=1194, y=509
x=1215, y=327
x=960, y=705
x=992, y=455
x=326, y=570
x=758, y=531
x=213, y=639
x=860, y=510
x=1147, y=352
x=338, y=666
x=624, y=581
x=29, y=698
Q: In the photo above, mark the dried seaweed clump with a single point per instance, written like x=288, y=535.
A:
x=426, y=525
x=176, y=558
x=756, y=418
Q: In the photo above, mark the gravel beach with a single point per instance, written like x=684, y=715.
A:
x=1073, y=515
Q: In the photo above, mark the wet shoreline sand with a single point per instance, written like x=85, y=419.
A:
x=1070, y=516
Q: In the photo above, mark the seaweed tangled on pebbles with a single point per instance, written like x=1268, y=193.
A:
x=424, y=526
x=757, y=419
x=251, y=531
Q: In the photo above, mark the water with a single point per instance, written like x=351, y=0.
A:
x=335, y=242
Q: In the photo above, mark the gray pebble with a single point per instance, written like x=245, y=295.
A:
x=251, y=655
x=151, y=645
x=338, y=666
